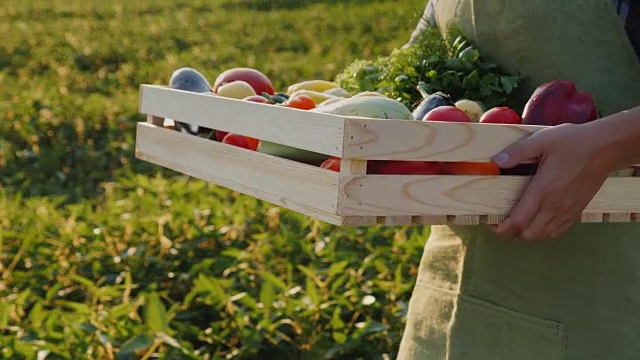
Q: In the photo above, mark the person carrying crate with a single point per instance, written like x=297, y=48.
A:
x=541, y=285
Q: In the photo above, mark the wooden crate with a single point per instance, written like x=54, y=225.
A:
x=350, y=197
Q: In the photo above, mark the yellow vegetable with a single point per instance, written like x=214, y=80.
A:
x=312, y=85
x=471, y=108
x=317, y=97
x=236, y=89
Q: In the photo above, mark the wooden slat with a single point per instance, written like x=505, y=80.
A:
x=374, y=139
x=483, y=219
x=424, y=140
x=357, y=221
x=307, y=189
x=494, y=219
x=395, y=220
x=588, y=217
x=355, y=168
x=393, y=195
x=359, y=167
x=430, y=219
x=617, y=217
x=468, y=219
x=157, y=121
x=322, y=133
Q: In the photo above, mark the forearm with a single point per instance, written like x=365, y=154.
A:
x=619, y=137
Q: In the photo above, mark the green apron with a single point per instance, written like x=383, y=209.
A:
x=577, y=297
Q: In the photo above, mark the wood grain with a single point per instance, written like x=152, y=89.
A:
x=376, y=139
x=430, y=219
x=391, y=195
x=592, y=217
x=304, y=188
x=359, y=167
x=616, y=217
x=424, y=140
x=394, y=220
x=356, y=220
x=313, y=131
x=348, y=168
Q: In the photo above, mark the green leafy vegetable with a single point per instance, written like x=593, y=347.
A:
x=430, y=65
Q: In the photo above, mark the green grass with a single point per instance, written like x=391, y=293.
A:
x=103, y=256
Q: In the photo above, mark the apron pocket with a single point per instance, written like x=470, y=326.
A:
x=481, y=330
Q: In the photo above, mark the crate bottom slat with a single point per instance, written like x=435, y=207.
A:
x=462, y=220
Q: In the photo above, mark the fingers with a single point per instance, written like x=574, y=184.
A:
x=561, y=229
x=521, y=151
x=561, y=224
x=550, y=219
x=540, y=226
x=549, y=230
x=551, y=202
x=522, y=213
x=533, y=211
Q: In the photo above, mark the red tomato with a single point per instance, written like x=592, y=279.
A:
x=220, y=135
x=258, y=81
x=501, y=115
x=400, y=167
x=303, y=102
x=332, y=163
x=256, y=98
x=236, y=140
x=469, y=168
x=447, y=113
x=252, y=143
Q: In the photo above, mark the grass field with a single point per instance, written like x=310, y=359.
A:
x=105, y=257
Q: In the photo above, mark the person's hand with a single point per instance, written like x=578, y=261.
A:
x=572, y=166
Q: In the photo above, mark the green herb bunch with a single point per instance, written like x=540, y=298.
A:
x=429, y=65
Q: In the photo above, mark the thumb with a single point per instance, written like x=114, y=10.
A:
x=517, y=153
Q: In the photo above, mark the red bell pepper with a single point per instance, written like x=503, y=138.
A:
x=389, y=167
x=396, y=167
x=558, y=102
